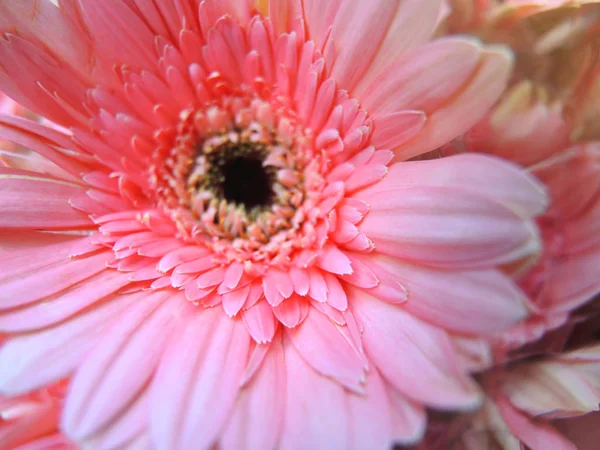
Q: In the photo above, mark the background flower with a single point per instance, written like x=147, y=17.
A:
x=538, y=123
x=222, y=239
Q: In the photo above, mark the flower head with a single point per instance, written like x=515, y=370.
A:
x=223, y=239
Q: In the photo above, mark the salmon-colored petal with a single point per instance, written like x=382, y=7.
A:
x=31, y=201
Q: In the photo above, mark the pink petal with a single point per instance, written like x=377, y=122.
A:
x=257, y=417
x=133, y=341
x=292, y=311
x=370, y=416
x=63, y=304
x=336, y=294
x=318, y=287
x=448, y=64
x=571, y=280
x=125, y=428
x=334, y=260
x=467, y=106
x=300, y=280
x=260, y=322
x=34, y=201
x=198, y=380
x=119, y=33
x=33, y=360
x=450, y=299
x=534, y=435
x=389, y=286
x=325, y=348
x=425, y=350
x=366, y=36
x=409, y=418
x=315, y=411
x=234, y=301
x=180, y=256
x=491, y=177
x=445, y=227
x=394, y=129
x=51, y=442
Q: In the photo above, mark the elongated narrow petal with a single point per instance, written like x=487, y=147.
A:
x=443, y=227
x=181, y=416
x=426, y=351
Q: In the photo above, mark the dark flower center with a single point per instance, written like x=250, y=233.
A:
x=243, y=178
x=235, y=172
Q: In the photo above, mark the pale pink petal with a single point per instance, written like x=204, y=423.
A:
x=475, y=354
x=409, y=419
x=33, y=360
x=492, y=177
x=463, y=81
x=325, y=348
x=366, y=36
x=125, y=428
x=558, y=387
x=64, y=304
x=257, y=417
x=480, y=93
x=448, y=64
x=133, y=340
x=444, y=227
x=198, y=381
x=370, y=416
x=315, y=414
x=452, y=299
x=426, y=354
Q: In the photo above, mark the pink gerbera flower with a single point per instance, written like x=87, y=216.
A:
x=223, y=240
